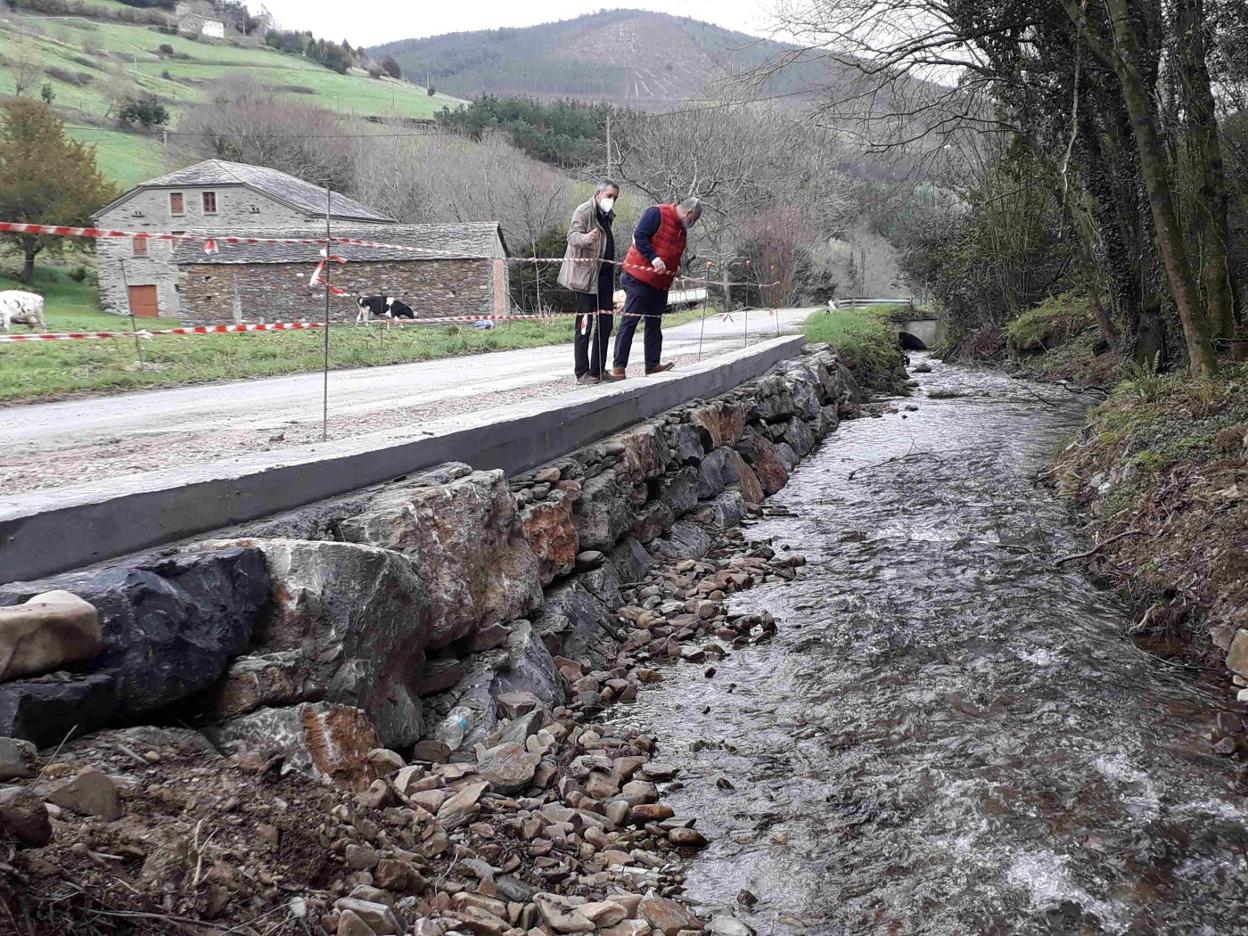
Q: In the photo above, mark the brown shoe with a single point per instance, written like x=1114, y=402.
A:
x=658, y=369
x=588, y=380
x=613, y=375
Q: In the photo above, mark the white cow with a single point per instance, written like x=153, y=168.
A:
x=22, y=308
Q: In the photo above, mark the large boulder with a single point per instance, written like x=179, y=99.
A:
x=361, y=614
x=804, y=388
x=47, y=633
x=645, y=451
x=689, y=441
x=736, y=471
x=170, y=626
x=800, y=436
x=773, y=398
x=551, y=534
x=763, y=457
x=678, y=490
x=466, y=543
x=605, y=511
x=711, y=474
x=652, y=520
x=322, y=740
x=572, y=620
x=252, y=682
x=722, y=420
x=45, y=710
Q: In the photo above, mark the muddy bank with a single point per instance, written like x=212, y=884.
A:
x=1160, y=471
x=950, y=732
x=381, y=714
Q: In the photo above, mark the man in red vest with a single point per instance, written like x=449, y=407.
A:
x=649, y=269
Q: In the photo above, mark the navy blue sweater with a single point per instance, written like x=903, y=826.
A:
x=646, y=228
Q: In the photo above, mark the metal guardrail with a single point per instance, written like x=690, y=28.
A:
x=678, y=298
x=859, y=303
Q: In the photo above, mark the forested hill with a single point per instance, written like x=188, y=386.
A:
x=630, y=58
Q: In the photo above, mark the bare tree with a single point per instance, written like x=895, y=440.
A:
x=243, y=122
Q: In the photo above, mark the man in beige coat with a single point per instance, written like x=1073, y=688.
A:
x=587, y=273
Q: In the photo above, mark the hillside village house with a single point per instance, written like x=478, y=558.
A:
x=457, y=267
x=454, y=269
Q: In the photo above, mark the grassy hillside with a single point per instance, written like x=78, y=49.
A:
x=626, y=57
x=93, y=63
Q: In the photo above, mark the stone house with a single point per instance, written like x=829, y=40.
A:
x=211, y=197
x=199, y=19
x=453, y=269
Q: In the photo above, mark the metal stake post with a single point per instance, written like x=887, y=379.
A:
x=702, y=331
x=325, y=369
x=134, y=328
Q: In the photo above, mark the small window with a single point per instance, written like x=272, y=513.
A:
x=177, y=204
x=210, y=202
x=140, y=246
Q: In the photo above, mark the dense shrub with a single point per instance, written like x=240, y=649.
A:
x=73, y=78
x=145, y=110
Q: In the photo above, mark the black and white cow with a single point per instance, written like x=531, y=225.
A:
x=382, y=307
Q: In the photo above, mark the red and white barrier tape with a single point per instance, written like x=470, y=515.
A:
x=152, y=332
x=300, y=326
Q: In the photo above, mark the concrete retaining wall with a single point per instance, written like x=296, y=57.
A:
x=49, y=532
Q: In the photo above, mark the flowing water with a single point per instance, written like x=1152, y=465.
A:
x=951, y=733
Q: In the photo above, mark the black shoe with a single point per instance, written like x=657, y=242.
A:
x=588, y=380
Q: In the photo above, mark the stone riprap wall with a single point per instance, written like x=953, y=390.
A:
x=394, y=599
x=342, y=640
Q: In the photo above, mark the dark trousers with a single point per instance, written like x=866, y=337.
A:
x=645, y=302
x=585, y=361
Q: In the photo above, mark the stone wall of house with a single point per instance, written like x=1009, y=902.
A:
x=279, y=291
x=239, y=209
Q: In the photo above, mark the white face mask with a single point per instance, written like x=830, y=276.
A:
x=606, y=204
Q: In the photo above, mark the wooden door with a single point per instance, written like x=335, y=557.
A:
x=143, y=301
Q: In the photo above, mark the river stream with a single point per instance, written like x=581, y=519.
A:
x=952, y=732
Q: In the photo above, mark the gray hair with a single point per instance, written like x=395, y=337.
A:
x=606, y=184
x=691, y=206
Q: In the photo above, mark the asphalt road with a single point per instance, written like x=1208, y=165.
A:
x=281, y=402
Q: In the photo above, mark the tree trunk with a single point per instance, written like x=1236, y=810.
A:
x=1153, y=167
x=1209, y=221
x=30, y=250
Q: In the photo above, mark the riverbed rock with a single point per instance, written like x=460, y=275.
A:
x=467, y=545
x=651, y=521
x=551, y=534
x=668, y=916
x=572, y=619
x=23, y=815
x=91, y=793
x=1237, y=656
x=46, y=633
x=17, y=759
x=326, y=741
x=170, y=624
x=508, y=768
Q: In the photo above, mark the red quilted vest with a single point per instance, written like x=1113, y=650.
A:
x=668, y=243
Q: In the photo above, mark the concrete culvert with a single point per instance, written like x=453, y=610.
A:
x=911, y=342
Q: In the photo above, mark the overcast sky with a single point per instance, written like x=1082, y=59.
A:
x=372, y=22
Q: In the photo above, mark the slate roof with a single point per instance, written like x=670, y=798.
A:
x=466, y=240
x=298, y=194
